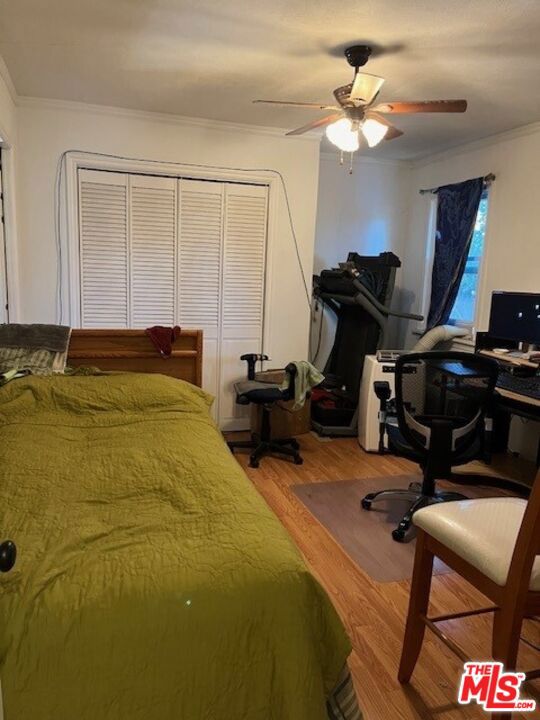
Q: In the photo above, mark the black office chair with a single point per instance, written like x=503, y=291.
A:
x=436, y=419
x=266, y=395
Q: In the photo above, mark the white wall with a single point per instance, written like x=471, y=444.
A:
x=7, y=112
x=366, y=212
x=512, y=243
x=8, y=135
x=48, y=128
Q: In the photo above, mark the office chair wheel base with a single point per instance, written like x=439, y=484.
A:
x=294, y=444
x=398, y=534
x=298, y=460
x=366, y=503
x=253, y=463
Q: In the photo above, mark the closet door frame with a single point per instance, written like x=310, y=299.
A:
x=69, y=240
x=10, y=229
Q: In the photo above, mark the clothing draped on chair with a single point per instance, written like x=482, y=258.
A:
x=457, y=207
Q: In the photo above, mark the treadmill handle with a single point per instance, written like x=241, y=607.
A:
x=380, y=307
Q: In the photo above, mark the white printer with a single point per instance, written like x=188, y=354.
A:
x=376, y=367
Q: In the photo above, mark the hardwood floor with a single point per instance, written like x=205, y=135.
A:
x=374, y=613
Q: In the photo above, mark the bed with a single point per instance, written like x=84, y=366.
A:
x=152, y=580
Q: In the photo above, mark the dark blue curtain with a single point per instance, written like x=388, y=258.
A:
x=457, y=207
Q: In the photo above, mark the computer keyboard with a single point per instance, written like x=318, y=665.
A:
x=529, y=386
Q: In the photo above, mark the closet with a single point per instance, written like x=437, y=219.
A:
x=3, y=269
x=165, y=251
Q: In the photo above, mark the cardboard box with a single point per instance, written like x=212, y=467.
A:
x=284, y=421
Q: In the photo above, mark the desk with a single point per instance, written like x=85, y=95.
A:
x=507, y=358
x=505, y=403
x=514, y=403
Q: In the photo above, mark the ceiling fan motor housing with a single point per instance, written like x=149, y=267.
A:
x=355, y=114
x=357, y=55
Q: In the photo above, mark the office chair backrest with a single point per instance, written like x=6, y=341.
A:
x=441, y=400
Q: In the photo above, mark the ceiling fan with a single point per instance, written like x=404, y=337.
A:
x=357, y=112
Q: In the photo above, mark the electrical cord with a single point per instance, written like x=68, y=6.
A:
x=318, y=348
x=57, y=214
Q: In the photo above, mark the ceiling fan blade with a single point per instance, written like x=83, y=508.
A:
x=423, y=106
x=393, y=131
x=316, y=106
x=319, y=122
x=365, y=88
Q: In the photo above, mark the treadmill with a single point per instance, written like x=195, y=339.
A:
x=359, y=293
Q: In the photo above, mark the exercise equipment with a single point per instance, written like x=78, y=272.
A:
x=359, y=293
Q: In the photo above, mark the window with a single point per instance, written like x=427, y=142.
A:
x=463, y=312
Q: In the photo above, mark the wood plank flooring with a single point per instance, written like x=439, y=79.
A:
x=374, y=613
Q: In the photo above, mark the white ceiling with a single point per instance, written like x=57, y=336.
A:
x=209, y=59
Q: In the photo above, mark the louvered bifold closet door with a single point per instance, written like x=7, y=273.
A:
x=153, y=250
x=200, y=233
x=244, y=260
x=104, y=254
x=3, y=269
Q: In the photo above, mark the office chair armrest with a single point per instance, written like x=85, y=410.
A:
x=291, y=372
x=252, y=359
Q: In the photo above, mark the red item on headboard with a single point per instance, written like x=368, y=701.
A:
x=163, y=338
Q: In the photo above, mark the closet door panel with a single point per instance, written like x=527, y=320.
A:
x=3, y=271
x=210, y=375
x=244, y=255
x=104, y=253
x=153, y=250
x=231, y=415
x=200, y=232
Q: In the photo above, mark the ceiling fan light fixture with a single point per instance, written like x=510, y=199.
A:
x=342, y=134
x=373, y=131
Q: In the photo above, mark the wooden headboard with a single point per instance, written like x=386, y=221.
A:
x=133, y=350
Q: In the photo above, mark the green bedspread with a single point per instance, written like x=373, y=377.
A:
x=152, y=582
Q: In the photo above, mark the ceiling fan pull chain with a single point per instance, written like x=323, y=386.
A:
x=351, y=164
x=341, y=157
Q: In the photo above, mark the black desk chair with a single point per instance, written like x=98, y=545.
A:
x=437, y=420
x=266, y=395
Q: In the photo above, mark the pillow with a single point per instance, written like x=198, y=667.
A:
x=39, y=362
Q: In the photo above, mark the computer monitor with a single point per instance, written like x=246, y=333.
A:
x=515, y=316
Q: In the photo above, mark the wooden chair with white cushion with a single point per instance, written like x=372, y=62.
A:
x=494, y=543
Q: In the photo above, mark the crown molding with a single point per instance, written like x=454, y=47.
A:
x=6, y=77
x=257, y=130
x=359, y=159
x=513, y=134
x=167, y=118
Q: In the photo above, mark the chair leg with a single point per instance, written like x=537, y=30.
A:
x=406, y=521
x=261, y=450
x=507, y=622
x=418, y=606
